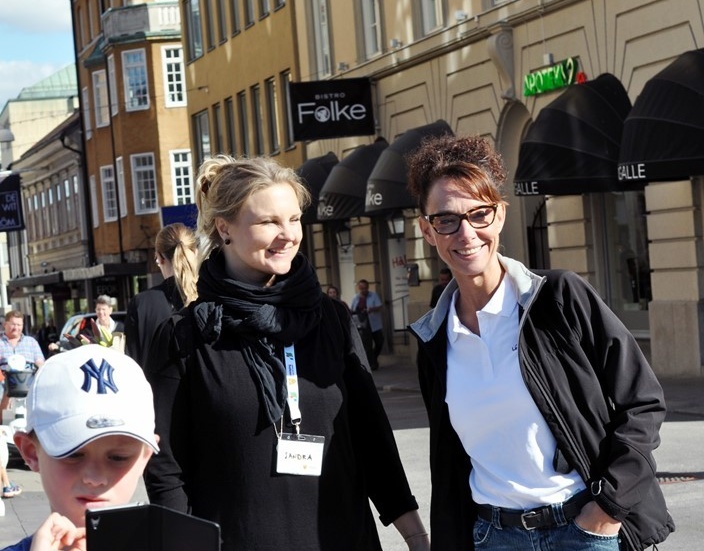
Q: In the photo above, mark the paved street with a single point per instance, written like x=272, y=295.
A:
x=680, y=461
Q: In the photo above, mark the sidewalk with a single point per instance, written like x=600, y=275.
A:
x=685, y=397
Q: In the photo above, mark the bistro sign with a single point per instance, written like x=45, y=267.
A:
x=331, y=108
x=560, y=75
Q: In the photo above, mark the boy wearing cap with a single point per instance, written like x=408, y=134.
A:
x=90, y=433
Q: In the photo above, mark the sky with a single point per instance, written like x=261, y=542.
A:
x=35, y=41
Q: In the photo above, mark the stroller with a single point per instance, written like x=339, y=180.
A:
x=18, y=376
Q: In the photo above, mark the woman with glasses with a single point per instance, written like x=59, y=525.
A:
x=543, y=411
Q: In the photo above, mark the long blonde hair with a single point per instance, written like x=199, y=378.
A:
x=224, y=184
x=178, y=245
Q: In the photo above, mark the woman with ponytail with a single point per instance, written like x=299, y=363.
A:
x=176, y=256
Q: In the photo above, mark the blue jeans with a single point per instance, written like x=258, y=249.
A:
x=566, y=537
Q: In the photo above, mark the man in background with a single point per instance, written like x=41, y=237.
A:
x=444, y=277
x=366, y=306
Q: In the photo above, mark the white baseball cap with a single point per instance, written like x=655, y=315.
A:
x=86, y=393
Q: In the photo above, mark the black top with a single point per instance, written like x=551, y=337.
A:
x=145, y=312
x=218, y=458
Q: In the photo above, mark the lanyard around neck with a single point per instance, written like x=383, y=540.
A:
x=292, y=394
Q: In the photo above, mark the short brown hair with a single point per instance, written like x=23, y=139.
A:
x=471, y=161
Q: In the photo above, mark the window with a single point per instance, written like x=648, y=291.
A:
x=242, y=116
x=194, y=33
x=279, y=4
x=107, y=181
x=144, y=184
x=112, y=83
x=323, y=61
x=257, y=119
x=174, y=87
x=431, y=15
x=230, y=125
x=134, y=69
x=121, y=191
x=68, y=207
x=371, y=28
x=222, y=21
x=217, y=129
x=235, y=16
x=100, y=93
x=91, y=17
x=85, y=104
x=285, y=79
x=60, y=218
x=181, y=170
x=272, y=116
x=31, y=231
x=264, y=8
x=201, y=133
x=248, y=12
x=210, y=23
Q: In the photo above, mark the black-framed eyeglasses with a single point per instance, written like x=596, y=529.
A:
x=446, y=223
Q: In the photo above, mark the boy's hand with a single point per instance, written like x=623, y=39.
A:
x=58, y=533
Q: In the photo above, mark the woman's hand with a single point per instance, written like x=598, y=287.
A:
x=592, y=518
x=410, y=526
x=58, y=533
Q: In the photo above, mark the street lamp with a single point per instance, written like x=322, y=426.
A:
x=397, y=224
x=344, y=235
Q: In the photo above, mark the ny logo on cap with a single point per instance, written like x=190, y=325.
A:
x=102, y=376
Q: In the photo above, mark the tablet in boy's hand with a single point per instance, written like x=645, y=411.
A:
x=149, y=527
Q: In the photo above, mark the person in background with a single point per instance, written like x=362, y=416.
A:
x=176, y=256
x=261, y=356
x=334, y=293
x=47, y=335
x=367, y=306
x=444, y=277
x=103, y=313
x=543, y=411
x=89, y=444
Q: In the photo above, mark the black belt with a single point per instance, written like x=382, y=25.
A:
x=540, y=517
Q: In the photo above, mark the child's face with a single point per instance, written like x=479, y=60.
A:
x=104, y=472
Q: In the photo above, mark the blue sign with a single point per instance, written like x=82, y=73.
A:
x=186, y=214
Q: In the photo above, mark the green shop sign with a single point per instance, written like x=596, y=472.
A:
x=561, y=74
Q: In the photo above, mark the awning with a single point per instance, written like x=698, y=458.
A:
x=314, y=172
x=572, y=147
x=35, y=280
x=386, y=187
x=663, y=136
x=345, y=189
x=105, y=270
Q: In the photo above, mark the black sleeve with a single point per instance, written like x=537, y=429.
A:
x=372, y=434
x=165, y=370
x=132, y=346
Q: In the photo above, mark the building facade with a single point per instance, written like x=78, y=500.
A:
x=135, y=132
x=474, y=65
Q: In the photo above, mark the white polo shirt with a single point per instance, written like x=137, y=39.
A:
x=501, y=428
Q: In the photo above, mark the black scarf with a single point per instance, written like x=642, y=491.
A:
x=264, y=319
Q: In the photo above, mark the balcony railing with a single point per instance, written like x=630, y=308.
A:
x=151, y=19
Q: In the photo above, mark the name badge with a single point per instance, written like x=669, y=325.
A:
x=300, y=454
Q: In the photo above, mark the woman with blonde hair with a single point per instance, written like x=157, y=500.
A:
x=176, y=256
x=269, y=418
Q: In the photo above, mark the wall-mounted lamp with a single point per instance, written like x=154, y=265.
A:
x=460, y=15
x=395, y=43
x=342, y=66
x=397, y=225
x=344, y=236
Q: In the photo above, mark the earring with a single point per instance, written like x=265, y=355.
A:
x=227, y=241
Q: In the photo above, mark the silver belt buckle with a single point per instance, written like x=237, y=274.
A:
x=528, y=515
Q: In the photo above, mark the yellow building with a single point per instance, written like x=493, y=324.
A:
x=474, y=65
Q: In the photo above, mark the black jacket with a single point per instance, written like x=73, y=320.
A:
x=594, y=388
x=217, y=463
x=146, y=311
